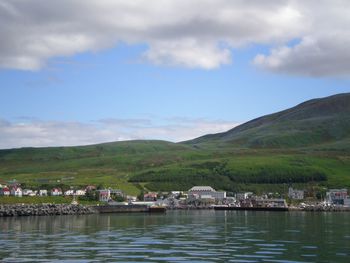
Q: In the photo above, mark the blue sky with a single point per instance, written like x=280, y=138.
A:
x=112, y=84
x=155, y=88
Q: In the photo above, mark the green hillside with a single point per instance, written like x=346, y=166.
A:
x=307, y=145
x=311, y=123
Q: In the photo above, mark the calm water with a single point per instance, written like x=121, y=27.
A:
x=179, y=236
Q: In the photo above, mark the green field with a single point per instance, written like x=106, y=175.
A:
x=42, y=200
x=180, y=169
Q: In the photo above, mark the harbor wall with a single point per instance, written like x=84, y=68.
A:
x=44, y=209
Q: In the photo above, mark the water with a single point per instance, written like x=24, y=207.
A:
x=178, y=236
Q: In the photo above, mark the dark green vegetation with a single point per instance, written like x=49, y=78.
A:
x=308, y=145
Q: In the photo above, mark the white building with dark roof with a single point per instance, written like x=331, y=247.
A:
x=295, y=194
x=42, y=192
x=244, y=195
x=16, y=191
x=337, y=196
x=205, y=192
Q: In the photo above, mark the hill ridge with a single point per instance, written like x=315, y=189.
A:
x=322, y=113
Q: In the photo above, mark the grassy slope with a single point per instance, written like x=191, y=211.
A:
x=173, y=166
x=311, y=123
x=307, y=140
x=110, y=164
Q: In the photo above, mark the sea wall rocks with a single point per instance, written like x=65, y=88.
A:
x=327, y=209
x=44, y=209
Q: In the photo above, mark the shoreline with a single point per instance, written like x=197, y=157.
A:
x=16, y=210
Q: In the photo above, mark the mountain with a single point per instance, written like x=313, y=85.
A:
x=314, y=122
x=307, y=145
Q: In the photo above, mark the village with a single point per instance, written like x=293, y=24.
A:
x=198, y=197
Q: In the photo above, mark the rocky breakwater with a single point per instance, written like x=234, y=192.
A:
x=44, y=209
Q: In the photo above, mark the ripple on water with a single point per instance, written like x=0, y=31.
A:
x=309, y=247
x=234, y=239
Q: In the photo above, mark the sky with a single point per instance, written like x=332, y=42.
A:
x=89, y=71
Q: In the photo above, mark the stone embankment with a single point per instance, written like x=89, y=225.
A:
x=327, y=209
x=44, y=209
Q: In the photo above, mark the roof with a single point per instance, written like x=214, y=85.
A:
x=150, y=194
x=202, y=188
x=338, y=190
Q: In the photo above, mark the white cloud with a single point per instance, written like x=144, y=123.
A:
x=323, y=49
x=186, y=33
x=188, y=54
x=181, y=32
x=36, y=133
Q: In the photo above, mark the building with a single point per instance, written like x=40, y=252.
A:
x=56, y=192
x=69, y=192
x=28, y=192
x=80, y=192
x=347, y=202
x=337, y=196
x=104, y=195
x=16, y=191
x=243, y=195
x=295, y=194
x=149, y=197
x=5, y=191
x=90, y=188
x=275, y=202
x=131, y=198
x=206, y=192
x=42, y=192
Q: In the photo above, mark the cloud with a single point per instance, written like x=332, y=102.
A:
x=312, y=56
x=195, y=33
x=323, y=47
x=36, y=133
x=188, y=54
x=186, y=33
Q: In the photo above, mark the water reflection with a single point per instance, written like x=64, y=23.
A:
x=178, y=236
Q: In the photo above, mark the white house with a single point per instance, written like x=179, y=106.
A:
x=337, y=196
x=16, y=191
x=131, y=198
x=43, y=192
x=205, y=192
x=347, y=202
x=104, y=195
x=295, y=194
x=243, y=195
x=56, y=192
x=5, y=191
x=80, y=192
x=28, y=192
x=69, y=192
x=150, y=197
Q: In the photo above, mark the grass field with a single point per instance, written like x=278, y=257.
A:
x=42, y=200
x=140, y=166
